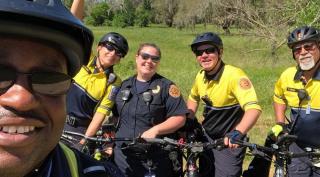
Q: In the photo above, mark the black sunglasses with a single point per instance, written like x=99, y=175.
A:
x=208, y=51
x=146, y=56
x=111, y=48
x=298, y=49
x=46, y=83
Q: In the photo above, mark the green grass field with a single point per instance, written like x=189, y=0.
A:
x=178, y=62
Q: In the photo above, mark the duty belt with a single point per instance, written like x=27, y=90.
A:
x=76, y=122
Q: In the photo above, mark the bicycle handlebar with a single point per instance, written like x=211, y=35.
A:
x=95, y=139
x=280, y=148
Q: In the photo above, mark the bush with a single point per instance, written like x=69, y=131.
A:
x=99, y=14
x=119, y=20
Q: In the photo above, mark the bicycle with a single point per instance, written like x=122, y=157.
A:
x=280, y=149
x=98, y=153
x=193, y=150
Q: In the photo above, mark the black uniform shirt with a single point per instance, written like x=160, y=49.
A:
x=140, y=106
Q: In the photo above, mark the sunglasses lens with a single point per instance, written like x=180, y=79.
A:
x=208, y=51
x=211, y=50
x=146, y=56
x=7, y=77
x=112, y=48
x=109, y=47
x=50, y=83
x=308, y=47
x=198, y=52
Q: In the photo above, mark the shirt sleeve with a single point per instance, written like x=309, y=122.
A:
x=175, y=105
x=245, y=92
x=194, y=93
x=278, y=96
x=106, y=105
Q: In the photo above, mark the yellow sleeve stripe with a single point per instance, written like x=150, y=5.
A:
x=252, y=105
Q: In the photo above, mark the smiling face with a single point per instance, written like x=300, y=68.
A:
x=208, y=58
x=108, y=55
x=30, y=123
x=146, y=67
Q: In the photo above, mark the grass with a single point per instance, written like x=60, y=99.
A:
x=179, y=65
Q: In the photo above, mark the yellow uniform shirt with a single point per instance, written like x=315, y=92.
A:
x=92, y=92
x=304, y=102
x=229, y=93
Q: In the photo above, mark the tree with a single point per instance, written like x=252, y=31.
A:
x=165, y=11
x=309, y=14
x=100, y=15
x=143, y=13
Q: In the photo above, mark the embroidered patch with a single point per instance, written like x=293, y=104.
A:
x=174, y=91
x=156, y=90
x=245, y=83
x=113, y=93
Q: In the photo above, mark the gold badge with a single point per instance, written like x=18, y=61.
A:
x=156, y=90
x=245, y=83
x=174, y=91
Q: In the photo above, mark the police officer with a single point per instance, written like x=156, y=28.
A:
x=148, y=106
x=91, y=96
x=231, y=105
x=42, y=47
x=299, y=89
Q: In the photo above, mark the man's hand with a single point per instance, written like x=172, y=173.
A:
x=232, y=137
x=151, y=133
x=276, y=130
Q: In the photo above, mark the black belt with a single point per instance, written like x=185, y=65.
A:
x=76, y=122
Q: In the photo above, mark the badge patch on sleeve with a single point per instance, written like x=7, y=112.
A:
x=113, y=93
x=245, y=83
x=174, y=91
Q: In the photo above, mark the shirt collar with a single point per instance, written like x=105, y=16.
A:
x=299, y=74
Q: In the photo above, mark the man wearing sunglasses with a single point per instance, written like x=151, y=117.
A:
x=230, y=103
x=42, y=47
x=148, y=106
x=299, y=89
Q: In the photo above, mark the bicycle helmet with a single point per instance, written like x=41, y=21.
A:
x=302, y=34
x=207, y=38
x=117, y=40
x=50, y=22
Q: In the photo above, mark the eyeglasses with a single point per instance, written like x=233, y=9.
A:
x=111, y=48
x=208, y=51
x=146, y=56
x=308, y=47
x=46, y=83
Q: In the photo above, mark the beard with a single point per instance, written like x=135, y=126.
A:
x=306, y=63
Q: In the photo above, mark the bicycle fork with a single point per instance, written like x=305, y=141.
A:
x=192, y=168
x=150, y=172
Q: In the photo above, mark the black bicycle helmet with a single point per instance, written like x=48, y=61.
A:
x=302, y=34
x=51, y=22
x=116, y=39
x=207, y=38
